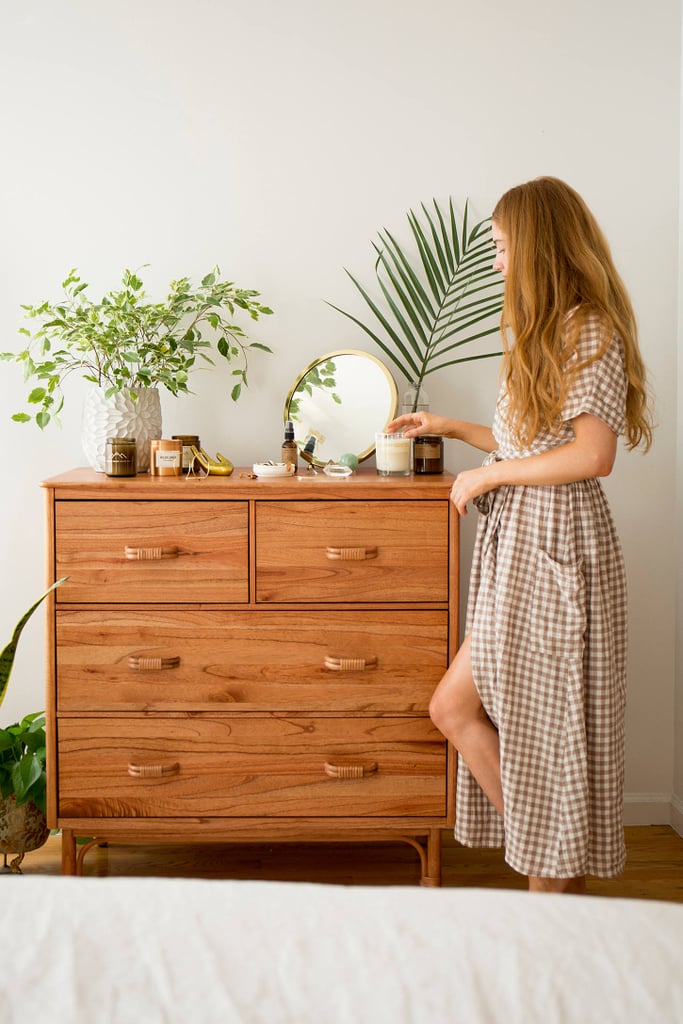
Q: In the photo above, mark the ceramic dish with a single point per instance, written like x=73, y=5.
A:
x=273, y=469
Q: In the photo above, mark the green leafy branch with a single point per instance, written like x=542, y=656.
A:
x=123, y=341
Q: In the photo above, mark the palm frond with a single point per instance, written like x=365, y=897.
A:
x=411, y=278
x=465, y=359
x=435, y=296
x=414, y=368
x=430, y=258
x=408, y=289
x=440, y=349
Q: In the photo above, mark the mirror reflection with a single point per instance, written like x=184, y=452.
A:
x=338, y=403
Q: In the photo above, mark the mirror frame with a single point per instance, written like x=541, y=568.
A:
x=393, y=392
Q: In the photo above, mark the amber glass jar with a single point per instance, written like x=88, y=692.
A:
x=120, y=456
x=187, y=441
x=428, y=454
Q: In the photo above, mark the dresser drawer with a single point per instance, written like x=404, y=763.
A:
x=388, y=551
x=149, y=659
x=151, y=551
x=239, y=766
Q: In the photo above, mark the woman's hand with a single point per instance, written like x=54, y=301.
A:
x=590, y=455
x=469, y=484
x=414, y=424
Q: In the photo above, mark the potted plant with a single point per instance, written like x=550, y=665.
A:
x=436, y=299
x=23, y=824
x=128, y=347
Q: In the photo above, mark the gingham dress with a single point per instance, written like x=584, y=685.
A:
x=547, y=614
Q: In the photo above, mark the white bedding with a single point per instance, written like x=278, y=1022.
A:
x=124, y=950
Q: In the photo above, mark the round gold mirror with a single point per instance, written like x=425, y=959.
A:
x=338, y=403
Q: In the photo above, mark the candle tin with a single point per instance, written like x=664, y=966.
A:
x=166, y=457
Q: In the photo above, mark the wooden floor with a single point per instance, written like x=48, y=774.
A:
x=654, y=868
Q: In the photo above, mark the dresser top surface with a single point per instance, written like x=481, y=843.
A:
x=83, y=483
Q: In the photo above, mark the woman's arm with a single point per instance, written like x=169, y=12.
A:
x=590, y=454
x=414, y=424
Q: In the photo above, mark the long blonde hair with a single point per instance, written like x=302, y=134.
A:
x=559, y=262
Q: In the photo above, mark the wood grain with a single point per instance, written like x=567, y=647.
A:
x=270, y=767
x=406, y=546
x=193, y=551
x=170, y=660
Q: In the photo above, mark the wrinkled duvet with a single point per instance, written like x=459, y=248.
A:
x=122, y=950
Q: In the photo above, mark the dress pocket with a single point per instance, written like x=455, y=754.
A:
x=558, y=610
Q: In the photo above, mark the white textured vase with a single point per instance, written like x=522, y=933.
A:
x=120, y=416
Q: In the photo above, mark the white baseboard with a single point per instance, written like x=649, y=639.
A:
x=677, y=814
x=651, y=809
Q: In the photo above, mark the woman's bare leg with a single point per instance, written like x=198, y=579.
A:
x=576, y=885
x=457, y=712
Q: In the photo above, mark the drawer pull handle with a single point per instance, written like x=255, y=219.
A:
x=150, y=554
x=350, y=554
x=350, y=771
x=349, y=664
x=152, y=771
x=152, y=664
x=222, y=697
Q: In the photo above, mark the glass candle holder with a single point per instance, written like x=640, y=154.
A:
x=392, y=454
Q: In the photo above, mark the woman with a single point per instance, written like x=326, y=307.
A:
x=534, y=699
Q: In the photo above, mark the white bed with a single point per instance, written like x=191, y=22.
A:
x=126, y=950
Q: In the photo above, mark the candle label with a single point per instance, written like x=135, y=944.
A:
x=170, y=459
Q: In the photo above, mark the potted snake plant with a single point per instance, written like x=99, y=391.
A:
x=23, y=780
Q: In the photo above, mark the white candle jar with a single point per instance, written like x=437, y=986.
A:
x=392, y=454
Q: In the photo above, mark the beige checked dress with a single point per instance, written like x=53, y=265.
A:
x=547, y=614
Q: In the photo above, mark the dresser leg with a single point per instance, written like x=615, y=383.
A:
x=68, y=852
x=433, y=876
x=429, y=848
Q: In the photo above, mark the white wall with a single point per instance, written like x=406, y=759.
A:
x=275, y=139
x=677, y=808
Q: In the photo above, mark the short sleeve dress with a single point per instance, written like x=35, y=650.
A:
x=547, y=616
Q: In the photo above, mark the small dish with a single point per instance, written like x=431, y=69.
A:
x=273, y=468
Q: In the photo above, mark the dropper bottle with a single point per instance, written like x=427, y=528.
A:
x=290, y=451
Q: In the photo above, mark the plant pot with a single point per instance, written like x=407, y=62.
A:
x=22, y=829
x=120, y=416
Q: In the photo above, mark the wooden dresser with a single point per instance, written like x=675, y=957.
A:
x=240, y=660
